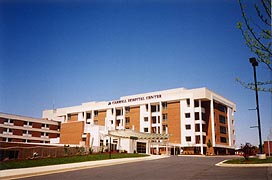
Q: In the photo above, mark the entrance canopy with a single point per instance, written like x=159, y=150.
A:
x=128, y=133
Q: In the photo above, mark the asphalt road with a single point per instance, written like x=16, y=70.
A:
x=181, y=168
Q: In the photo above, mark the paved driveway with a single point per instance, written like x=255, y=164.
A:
x=187, y=168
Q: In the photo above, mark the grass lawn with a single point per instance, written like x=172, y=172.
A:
x=250, y=161
x=63, y=160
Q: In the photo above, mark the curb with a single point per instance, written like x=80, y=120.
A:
x=43, y=170
x=223, y=164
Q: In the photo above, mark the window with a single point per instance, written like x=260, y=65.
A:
x=95, y=113
x=101, y=142
x=203, y=117
x=223, y=129
x=8, y=121
x=146, y=107
x=145, y=129
x=164, y=127
x=222, y=108
x=196, y=115
x=89, y=115
x=69, y=116
x=141, y=147
x=118, y=122
x=164, y=105
x=153, y=108
x=223, y=140
x=127, y=120
x=107, y=142
x=204, y=139
x=127, y=109
x=197, y=139
x=145, y=119
x=188, y=138
x=154, y=119
x=164, y=117
x=188, y=102
x=187, y=115
x=159, y=119
x=197, y=128
x=196, y=102
x=204, y=127
x=153, y=130
x=119, y=112
x=27, y=123
x=222, y=119
x=44, y=125
x=188, y=126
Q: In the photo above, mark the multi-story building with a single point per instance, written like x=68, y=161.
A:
x=21, y=129
x=198, y=121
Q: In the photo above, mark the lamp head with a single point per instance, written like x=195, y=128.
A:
x=253, y=61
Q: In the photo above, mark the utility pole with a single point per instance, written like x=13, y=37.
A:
x=254, y=63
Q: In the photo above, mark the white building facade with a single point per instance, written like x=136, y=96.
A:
x=198, y=121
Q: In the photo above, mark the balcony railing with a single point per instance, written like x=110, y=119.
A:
x=7, y=133
x=8, y=123
x=27, y=135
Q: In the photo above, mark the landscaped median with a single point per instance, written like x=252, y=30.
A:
x=64, y=160
x=251, y=162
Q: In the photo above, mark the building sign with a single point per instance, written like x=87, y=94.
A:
x=142, y=98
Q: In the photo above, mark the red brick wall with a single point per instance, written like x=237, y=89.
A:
x=36, y=125
x=71, y=133
x=18, y=123
x=36, y=134
x=17, y=132
x=266, y=147
x=134, y=118
x=174, y=129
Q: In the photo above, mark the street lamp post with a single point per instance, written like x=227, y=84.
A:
x=254, y=63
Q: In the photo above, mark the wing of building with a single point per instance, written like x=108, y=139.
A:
x=195, y=121
x=22, y=129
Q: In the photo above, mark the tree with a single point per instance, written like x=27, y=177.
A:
x=247, y=149
x=209, y=144
x=257, y=34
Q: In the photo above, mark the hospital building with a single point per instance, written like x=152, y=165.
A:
x=174, y=121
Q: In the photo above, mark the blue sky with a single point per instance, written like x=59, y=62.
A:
x=69, y=52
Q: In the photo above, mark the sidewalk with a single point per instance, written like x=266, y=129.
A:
x=42, y=170
x=222, y=164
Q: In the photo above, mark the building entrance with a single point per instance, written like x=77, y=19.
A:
x=141, y=147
